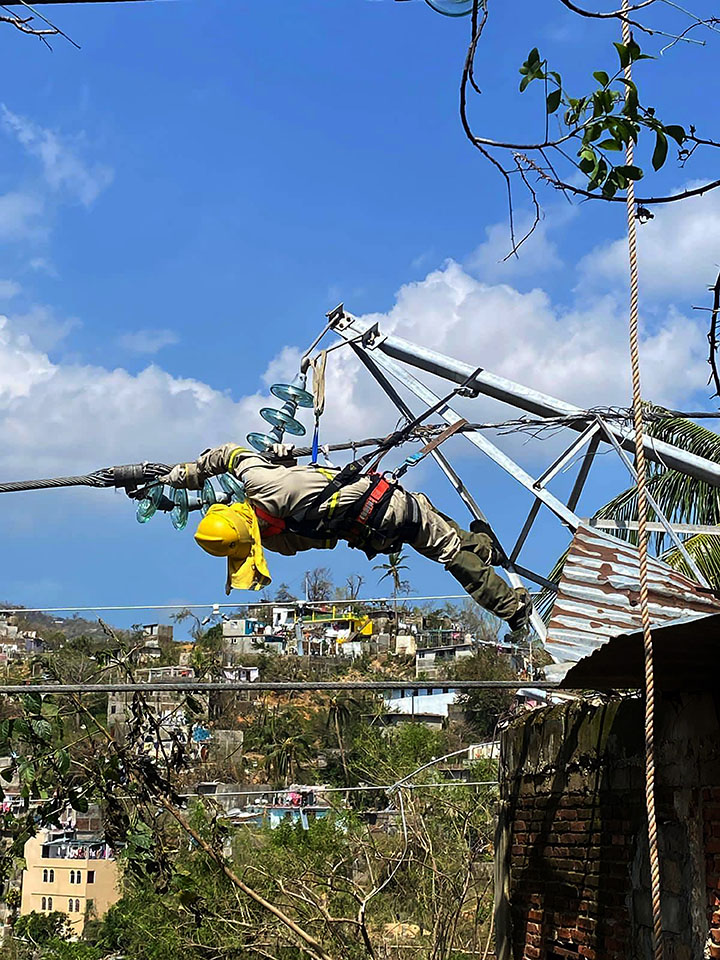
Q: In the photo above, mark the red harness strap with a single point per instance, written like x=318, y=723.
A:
x=377, y=493
x=273, y=525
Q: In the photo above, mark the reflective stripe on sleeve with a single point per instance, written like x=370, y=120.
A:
x=233, y=455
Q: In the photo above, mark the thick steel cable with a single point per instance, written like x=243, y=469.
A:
x=653, y=851
x=15, y=486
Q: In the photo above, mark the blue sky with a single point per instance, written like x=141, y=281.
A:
x=183, y=199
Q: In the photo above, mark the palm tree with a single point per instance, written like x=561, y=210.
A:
x=392, y=569
x=286, y=756
x=682, y=499
x=340, y=715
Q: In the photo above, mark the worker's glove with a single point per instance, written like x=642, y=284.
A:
x=283, y=451
x=184, y=475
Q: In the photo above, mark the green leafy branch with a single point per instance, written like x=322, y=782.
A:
x=605, y=121
x=599, y=125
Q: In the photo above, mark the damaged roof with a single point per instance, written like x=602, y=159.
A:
x=598, y=598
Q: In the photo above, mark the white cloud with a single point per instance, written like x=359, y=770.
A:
x=20, y=215
x=43, y=265
x=9, y=289
x=147, y=341
x=83, y=416
x=77, y=417
x=679, y=251
x=492, y=259
x=579, y=355
x=42, y=328
x=63, y=168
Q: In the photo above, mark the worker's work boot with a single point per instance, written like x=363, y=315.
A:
x=519, y=622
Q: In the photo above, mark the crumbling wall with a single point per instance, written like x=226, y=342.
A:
x=571, y=854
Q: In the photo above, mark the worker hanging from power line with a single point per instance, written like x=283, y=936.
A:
x=291, y=508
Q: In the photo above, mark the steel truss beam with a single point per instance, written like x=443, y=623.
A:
x=521, y=397
x=378, y=366
x=380, y=355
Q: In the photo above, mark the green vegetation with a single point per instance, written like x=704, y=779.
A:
x=392, y=871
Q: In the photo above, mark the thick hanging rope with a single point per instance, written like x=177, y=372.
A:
x=640, y=466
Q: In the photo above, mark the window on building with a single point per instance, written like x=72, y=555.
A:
x=113, y=708
x=77, y=906
x=49, y=903
x=72, y=876
x=45, y=876
x=44, y=903
x=70, y=906
x=52, y=876
x=78, y=876
x=91, y=876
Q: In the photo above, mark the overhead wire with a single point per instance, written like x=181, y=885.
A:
x=361, y=788
x=233, y=606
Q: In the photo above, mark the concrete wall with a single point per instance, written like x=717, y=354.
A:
x=572, y=874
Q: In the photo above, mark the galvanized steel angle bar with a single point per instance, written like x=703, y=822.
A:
x=526, y=528
x=583, y=472
x=567, y=455
x=531, y=401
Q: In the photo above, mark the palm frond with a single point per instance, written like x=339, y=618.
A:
x=682, y=499
x=704, y=548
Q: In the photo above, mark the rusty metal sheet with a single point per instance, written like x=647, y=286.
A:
x=599, y=596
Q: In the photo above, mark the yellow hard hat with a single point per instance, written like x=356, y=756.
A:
x=233, y=532
x=224, y=533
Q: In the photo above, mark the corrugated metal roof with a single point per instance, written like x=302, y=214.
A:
x=599, y=594
x=685, y=658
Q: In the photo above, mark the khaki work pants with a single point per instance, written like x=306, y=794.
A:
x=466, y=556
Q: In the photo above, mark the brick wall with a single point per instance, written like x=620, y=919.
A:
x=572, y=875
x=571, y=862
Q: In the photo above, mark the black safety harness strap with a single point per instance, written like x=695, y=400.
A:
x=363, y=518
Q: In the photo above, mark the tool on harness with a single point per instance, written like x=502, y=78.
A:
x=415, y=458
x=318, y=369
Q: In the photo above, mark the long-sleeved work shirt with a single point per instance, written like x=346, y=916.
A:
x=289, y=491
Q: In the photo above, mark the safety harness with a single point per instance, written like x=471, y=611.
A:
x=362, y=521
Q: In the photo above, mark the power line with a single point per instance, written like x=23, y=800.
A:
x=317, y=788
x=222, y=606
x=283, y=686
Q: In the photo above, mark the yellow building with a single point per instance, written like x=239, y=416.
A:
x=76, y=877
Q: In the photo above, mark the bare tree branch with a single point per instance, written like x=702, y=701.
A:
x=713, y=338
